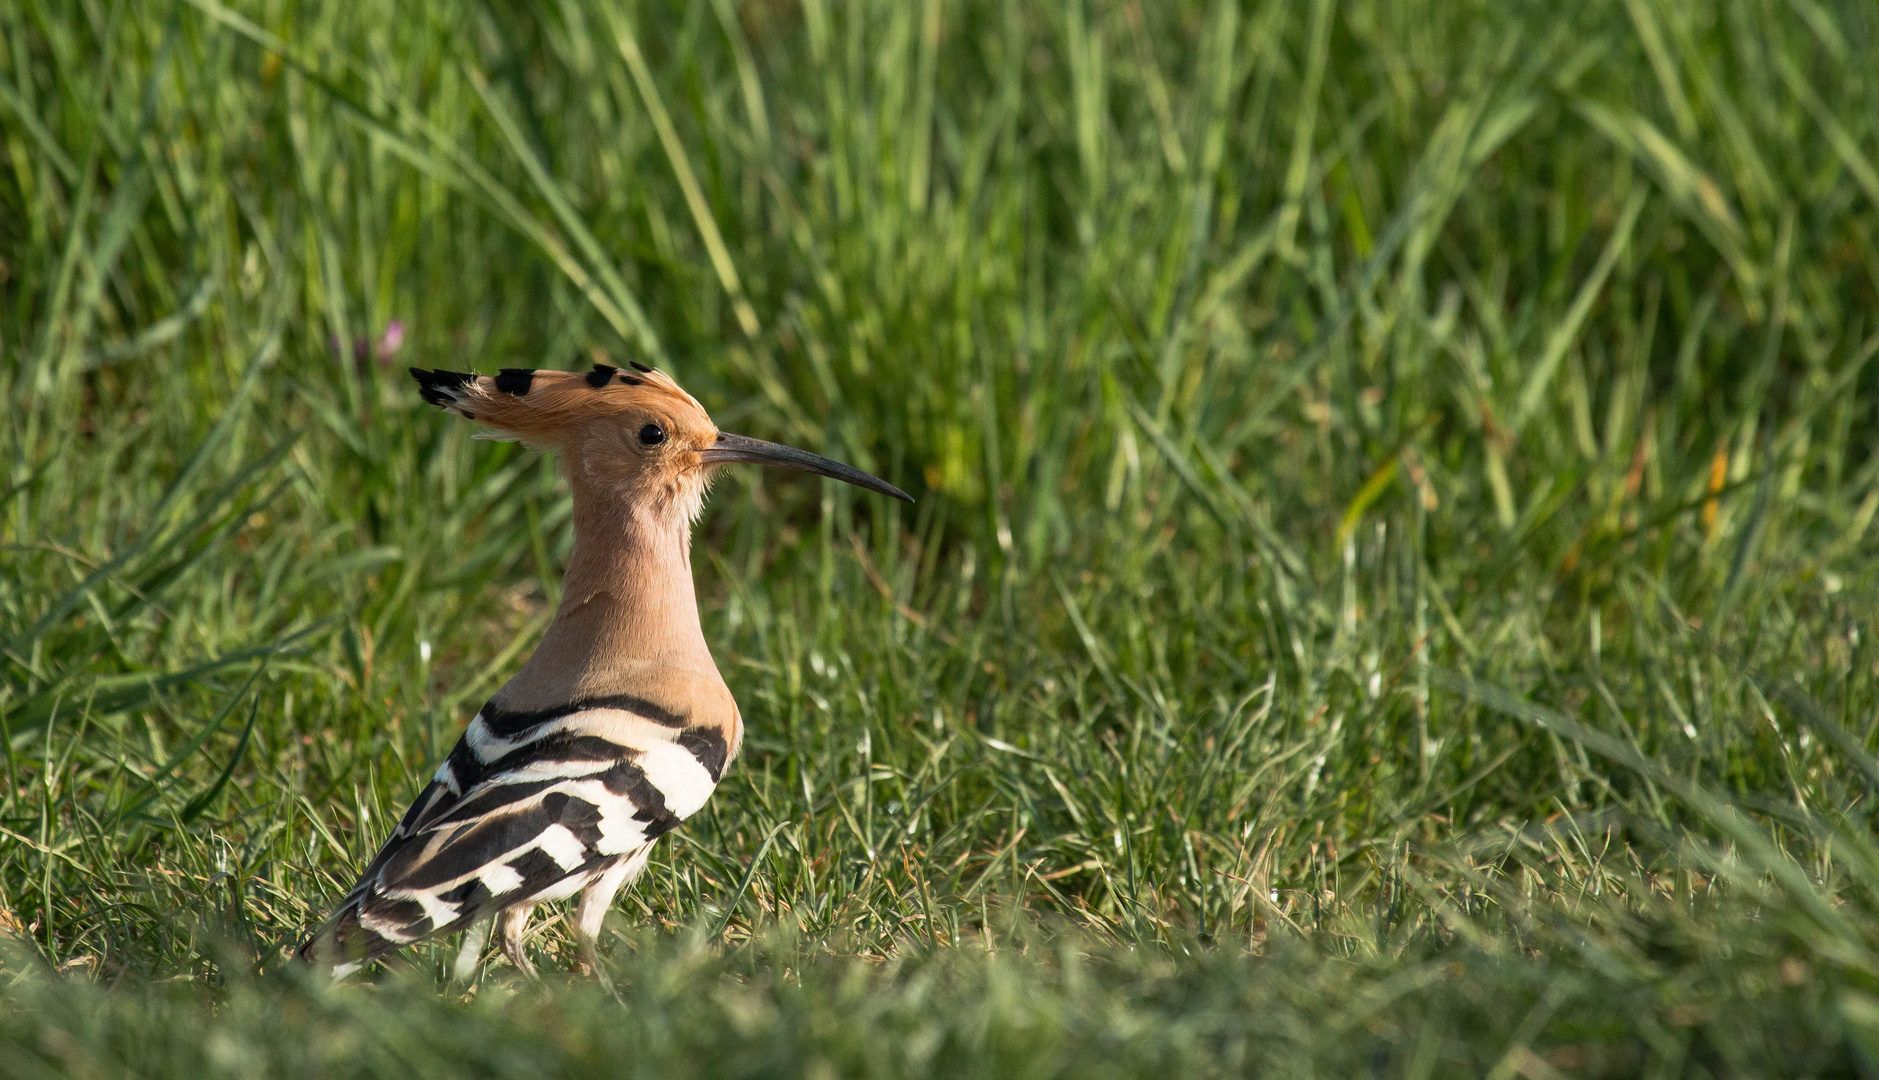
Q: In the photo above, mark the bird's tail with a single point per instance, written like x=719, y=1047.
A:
x=343, y=943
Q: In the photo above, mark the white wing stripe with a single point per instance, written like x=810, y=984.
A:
x=499, y=878
x=562, y=846
x=679, y=777
x=621, y=726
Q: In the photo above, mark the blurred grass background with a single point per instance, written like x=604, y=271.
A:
x=1390, y=590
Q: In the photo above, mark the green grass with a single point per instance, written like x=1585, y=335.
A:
x=1391, y=589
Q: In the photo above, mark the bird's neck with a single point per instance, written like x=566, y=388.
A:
x=628, y=619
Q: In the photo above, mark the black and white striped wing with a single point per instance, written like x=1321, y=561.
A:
x=528, y=807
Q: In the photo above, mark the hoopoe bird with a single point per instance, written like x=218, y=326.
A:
x=619, y=726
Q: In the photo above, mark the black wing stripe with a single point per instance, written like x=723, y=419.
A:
x=495, y=800
x=462, y=768
x=562, y=755
x=708, y=746
x=471, y=895
x=507, y=724
x=562, y=746
x=434, y=798
x=477, y=846
x=538, y=870
x=629, y=781
x=394, y=919
x=446, y=788
x=434, y=793
x=576, y=815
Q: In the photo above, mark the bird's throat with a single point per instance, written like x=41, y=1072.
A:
x=628, y=618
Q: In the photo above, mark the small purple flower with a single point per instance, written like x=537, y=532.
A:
x=389, y=341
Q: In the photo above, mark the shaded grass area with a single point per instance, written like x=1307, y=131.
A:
x=1040, y=1007
x=1391, y=586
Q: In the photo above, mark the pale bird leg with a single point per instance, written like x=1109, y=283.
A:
x=473, y=941
x=597, y=900
x=513, y=922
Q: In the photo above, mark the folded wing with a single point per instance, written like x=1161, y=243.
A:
x=530, y=806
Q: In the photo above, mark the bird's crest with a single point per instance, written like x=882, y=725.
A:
x=541, y=407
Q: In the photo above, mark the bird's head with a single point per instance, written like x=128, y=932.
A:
x=635, y=433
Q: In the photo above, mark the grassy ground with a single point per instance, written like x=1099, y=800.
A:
x=1391, y=591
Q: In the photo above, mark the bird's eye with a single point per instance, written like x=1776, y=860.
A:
x=651, y=435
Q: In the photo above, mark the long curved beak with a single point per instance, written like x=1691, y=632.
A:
x=730, y=448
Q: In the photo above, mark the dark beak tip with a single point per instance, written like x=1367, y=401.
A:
x=730, y=448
